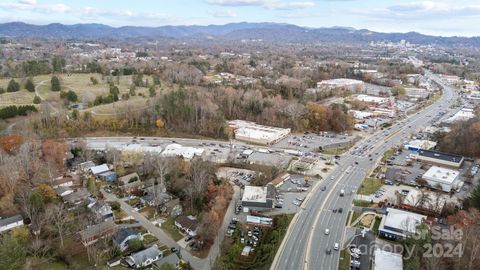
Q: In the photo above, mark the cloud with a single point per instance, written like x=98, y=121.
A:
x=225, y=13
x=32, y=5
x=238, y=2
x=291, y=5
x=28, y=2
x=268, y=4
x=422, y=10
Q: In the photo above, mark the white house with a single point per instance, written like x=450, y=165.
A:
x=144, y=257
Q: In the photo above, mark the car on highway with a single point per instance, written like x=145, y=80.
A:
x=327, y=231
x=328, y=251
x=324, y=188
x=340, y=210
x=335, y=246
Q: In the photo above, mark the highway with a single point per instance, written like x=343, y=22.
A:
x=304, y=246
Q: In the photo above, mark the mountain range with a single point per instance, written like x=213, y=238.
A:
x=272, y=32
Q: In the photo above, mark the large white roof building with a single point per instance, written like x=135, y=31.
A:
x=387, y=260
x=442, y=178
x=252, y=132
x=337, y=83
x=372, y=99
x=398, y=223
x=175, y=149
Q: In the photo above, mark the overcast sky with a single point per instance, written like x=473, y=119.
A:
x=438, y=17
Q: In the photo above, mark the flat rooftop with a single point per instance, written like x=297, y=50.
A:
x=254, y=194
x=402, y=220
x=442, y=175
x=340, y=82
x=440, y=155
x=387, y=260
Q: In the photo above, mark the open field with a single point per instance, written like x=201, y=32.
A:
x=79, y=83
x=369, y=186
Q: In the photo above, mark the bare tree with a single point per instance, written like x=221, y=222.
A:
x=57, y=214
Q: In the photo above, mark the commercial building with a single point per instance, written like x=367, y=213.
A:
x=136, y=147
x=258, y=198
x=372, y=99
x=279, y=180
x=435, y=157
x=416, y=145
x=417, y=93
x=360, y=114
x=399, y=224
x=259, y=134
x=442, y=178
x=259, y=221
x=463, y=115
x=347, y=84
x=174, y=150
x=387, y=260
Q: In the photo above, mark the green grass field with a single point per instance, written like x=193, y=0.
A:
x=169, y=227
x=369, y=186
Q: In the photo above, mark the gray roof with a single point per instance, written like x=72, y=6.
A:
x=77, y=196
x=441, y=156
x=141, y=256
x=10, y=220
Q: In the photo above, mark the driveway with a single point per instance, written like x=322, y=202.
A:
x=196, y=263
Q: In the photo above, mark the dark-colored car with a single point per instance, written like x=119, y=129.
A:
x=173, y=249
x=328, y=251
x=340, y=210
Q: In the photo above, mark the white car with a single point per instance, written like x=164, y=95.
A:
x=327, y=231
x=335, y=246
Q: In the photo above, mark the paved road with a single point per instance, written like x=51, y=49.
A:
x=305, y=244
x=196, y=263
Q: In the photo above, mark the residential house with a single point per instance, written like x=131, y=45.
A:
x=144, y=257
x=130, y=182
x=63, y=191
x=187, y=224
x=96, y=170
x=85, y=166
x=9, y=223
x=64, y=181
x=162, y=200
x=102, y=210
x=172, y=208
x=91, y=234
x=109, y=176
x=77, y=197
x=122, y=236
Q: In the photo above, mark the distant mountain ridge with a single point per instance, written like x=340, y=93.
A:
x=273, y=32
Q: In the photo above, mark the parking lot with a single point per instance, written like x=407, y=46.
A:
x=310, y=142
x=405, y=171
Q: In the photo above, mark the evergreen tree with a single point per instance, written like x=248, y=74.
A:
x=29, y=85
x=55, y=84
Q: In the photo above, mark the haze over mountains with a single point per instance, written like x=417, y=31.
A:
x=271, y=32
